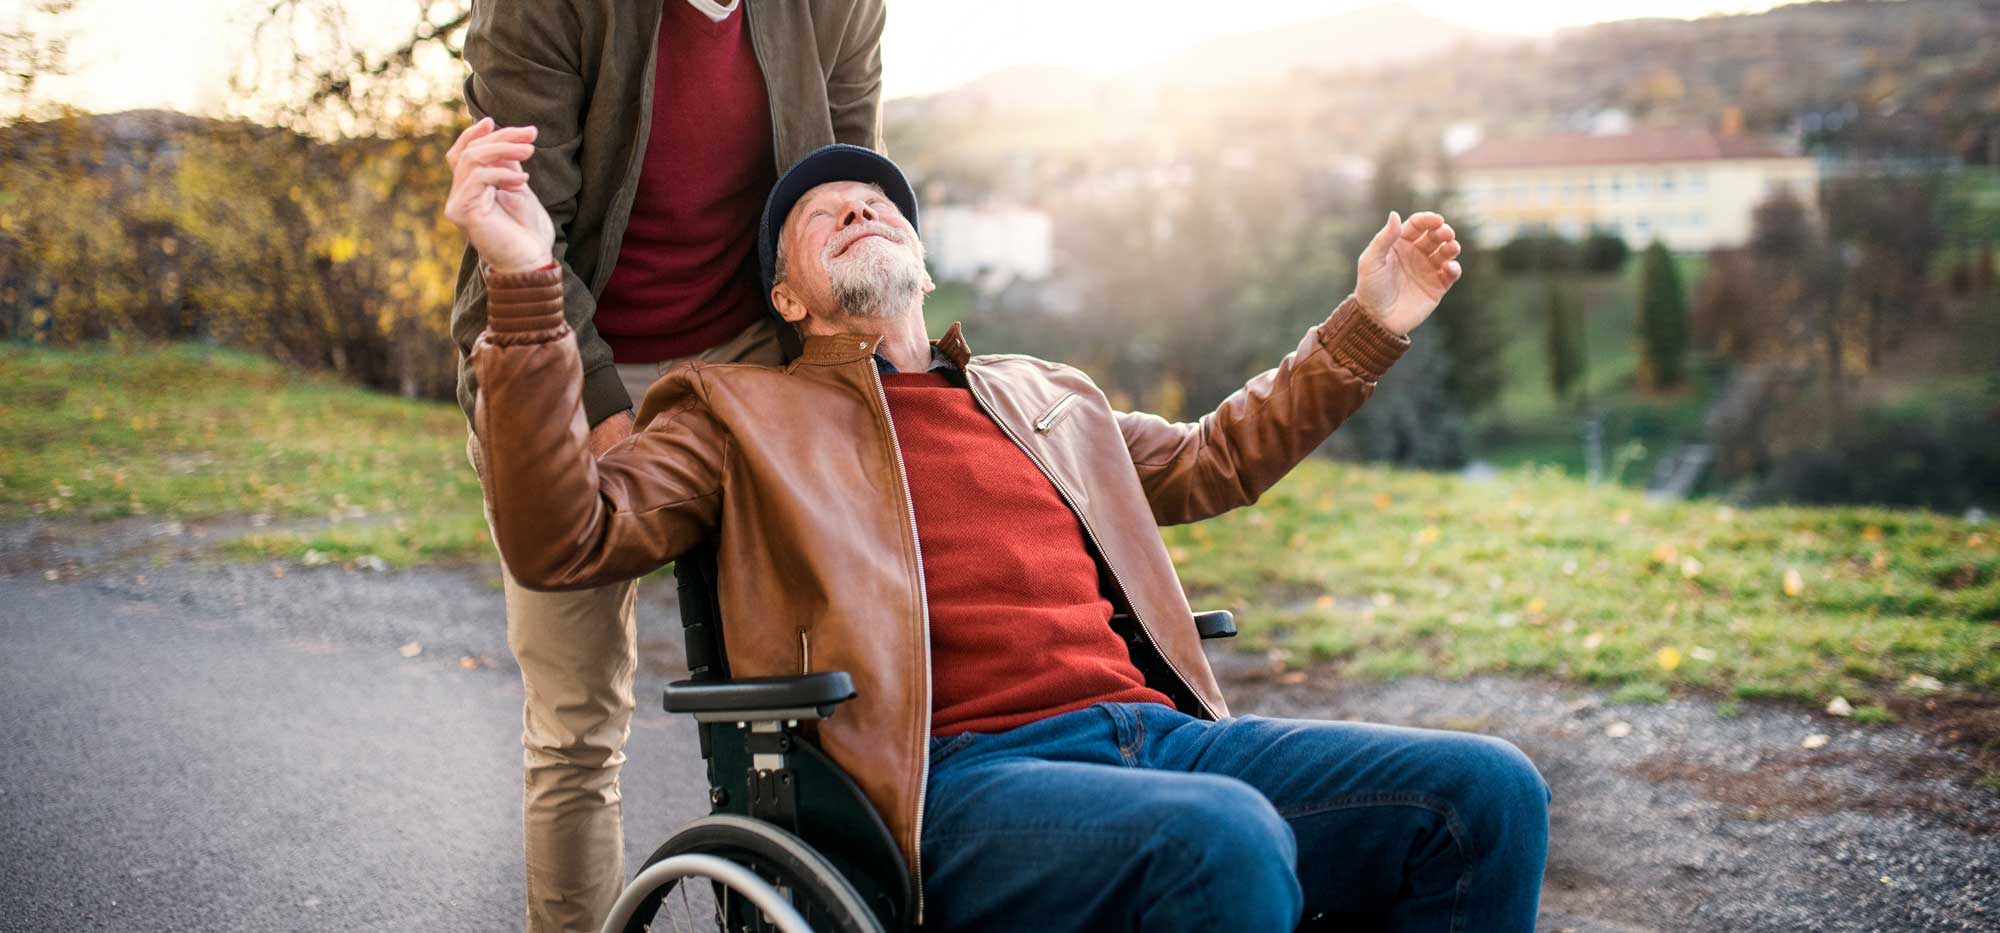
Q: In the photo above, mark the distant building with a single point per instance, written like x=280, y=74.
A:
x=1693, y=189
x=990, y=246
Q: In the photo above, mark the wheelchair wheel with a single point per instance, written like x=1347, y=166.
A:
x=731, y=873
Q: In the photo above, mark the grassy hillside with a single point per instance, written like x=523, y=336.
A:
x=1384, y=572
x=1527, y=425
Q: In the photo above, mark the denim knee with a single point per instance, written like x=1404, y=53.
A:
x=1226, y=844
x=1502, y=797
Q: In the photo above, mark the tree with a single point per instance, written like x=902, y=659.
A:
x=1663, y=320
x=333, y=82
x=32, y=49
x=1564, y=342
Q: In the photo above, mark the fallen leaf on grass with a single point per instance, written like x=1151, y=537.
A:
x=1794, y=583
x=1923, y=683
x=1840, y=707
x=1668, y=658
x=1701, y=654
x=1292, y=677
x=411, y=650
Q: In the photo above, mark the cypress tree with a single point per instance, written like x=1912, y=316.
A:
x=1564, y=343
x=1663, y=319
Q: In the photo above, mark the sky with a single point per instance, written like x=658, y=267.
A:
x=178, y=55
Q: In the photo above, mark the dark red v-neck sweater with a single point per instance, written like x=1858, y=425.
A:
x=686, y=278
x=1019, y=628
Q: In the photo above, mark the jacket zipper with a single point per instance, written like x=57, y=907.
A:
x=1055, y=413
x=972, y=383
x=805, y=653
x=924, y=603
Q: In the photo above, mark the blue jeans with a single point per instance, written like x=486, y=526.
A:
x=1137, y=816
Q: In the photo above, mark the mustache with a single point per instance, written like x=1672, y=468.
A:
x=836, y=246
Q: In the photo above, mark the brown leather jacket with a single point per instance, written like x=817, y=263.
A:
x=794, y=472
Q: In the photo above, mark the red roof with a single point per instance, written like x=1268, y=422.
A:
x=1662, y=145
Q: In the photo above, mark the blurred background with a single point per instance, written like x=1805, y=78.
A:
x=1749, y=254
x=1704, y=444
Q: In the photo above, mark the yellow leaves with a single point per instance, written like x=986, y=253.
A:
x=1668, y=658
x=1325, y=601
x=1975, y=540
x=1795, y=584
x=1428, y=536
x=1871, y=533
x=1536, y=606
x=342, y=249
x=1690, y=567
x=1665, y=553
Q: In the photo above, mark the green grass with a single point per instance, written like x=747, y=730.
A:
x=191, y=432
x=1389, y=573
x=1384, y=573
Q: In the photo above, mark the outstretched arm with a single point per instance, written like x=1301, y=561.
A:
x=562, y=517
x=1197, y=470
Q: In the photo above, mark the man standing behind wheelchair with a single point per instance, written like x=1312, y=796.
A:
x=660, y=127
x=956, y=532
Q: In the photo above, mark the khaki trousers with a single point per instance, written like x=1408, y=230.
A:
x=577, y=651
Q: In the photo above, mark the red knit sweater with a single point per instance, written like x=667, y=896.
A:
x=1019, y=628
x=686, y=279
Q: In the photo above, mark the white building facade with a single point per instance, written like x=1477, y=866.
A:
x=991, y=245
x=1693, y=190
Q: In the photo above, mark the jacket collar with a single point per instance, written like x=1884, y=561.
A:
x=846, y=348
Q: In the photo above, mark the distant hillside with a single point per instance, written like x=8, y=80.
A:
x=1370, y=37
x=1858, y=79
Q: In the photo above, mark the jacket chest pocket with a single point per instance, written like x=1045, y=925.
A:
x=1056, y=413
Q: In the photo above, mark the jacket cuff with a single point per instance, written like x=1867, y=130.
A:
x=604, y=394
x=524, y=305
x=1358, y=341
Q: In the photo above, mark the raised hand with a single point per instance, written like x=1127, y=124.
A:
x=1406, y=270
x=490, y=200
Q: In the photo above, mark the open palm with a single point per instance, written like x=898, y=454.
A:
x=1406, y=269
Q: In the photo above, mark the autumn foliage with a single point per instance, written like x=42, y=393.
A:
x=158, y=226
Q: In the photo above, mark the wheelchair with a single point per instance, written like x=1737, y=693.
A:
x=790, y=843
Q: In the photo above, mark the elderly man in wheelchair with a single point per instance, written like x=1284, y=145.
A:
x=962, y=687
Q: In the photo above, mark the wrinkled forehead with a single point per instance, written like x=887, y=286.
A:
x=833, y=192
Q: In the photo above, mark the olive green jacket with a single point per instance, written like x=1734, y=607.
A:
x=581, y=71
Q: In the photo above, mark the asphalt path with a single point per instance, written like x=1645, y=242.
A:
x=191, y=744
x=218, y=749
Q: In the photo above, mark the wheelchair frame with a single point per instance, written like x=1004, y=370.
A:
x=756, y=736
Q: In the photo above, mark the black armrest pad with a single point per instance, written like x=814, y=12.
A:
x=1219, y=623
x=755, y=693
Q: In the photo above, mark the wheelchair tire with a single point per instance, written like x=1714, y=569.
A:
x=825, y=899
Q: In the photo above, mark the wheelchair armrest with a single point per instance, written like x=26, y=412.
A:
x=1217, y=623
x=796, y=696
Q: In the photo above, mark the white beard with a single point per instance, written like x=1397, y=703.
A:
x=876, y=278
